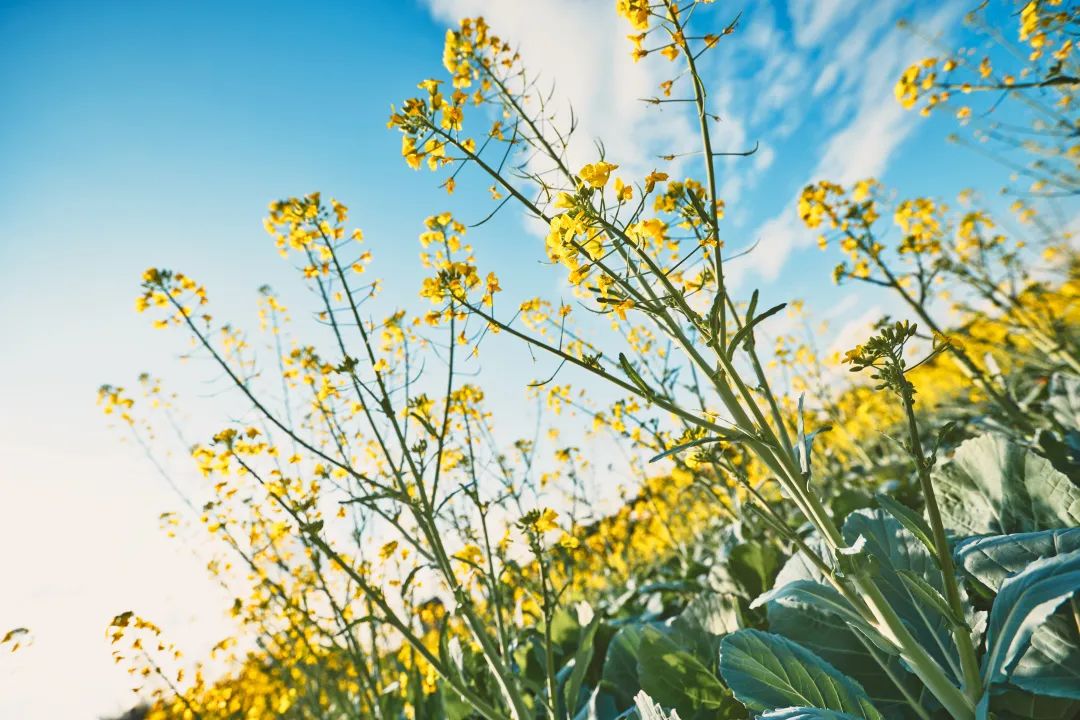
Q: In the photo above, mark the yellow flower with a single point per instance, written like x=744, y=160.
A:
x=564, y=201
x=470, y=554
x=569, y=542
x=546, y=521
x=388, y=549
x=636, y=11
x=652, y=178
x=597, y=174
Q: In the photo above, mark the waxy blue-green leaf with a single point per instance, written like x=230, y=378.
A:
x=925, y=592
x=766, y=671
x=1051, y=664
x=913, y=521
x=820, y=628
x=703, y=622
x=1020, y=705
x=599, y=706
x=1025, y=601
x=896, y=550
x=995, y=486
x=1052, y=661
x=823, y=597
x=1063, y=399
x=991, y=559
x=805, y=713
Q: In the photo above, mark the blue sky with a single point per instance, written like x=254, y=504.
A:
x=138, y=134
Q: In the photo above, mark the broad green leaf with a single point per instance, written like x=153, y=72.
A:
x=804, y=713
x=896, y=550
x=620, y=676
x=993, y=558
x=753, y=565
x=1024, y=602
x=766, y=671
x=822, y=597
x=922, y=590
x=564, y=627
x=1051, y=664
x=454, y=707
x=582, y=658
x=712, y=612
x=913, y=521
x=675, y=678
x=798, y=567
x=1064, y=399
x=1018, y=705
x=994, y=486
x=600, y=706
x=701, y=624
x=817, y=627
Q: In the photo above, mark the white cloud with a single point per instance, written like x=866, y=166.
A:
x=863, y=146
x=582, y=49
x=812, y=19
x=763, y=158
x=855, y=331
x=832, y=69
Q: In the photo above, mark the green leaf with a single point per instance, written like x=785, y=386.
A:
x=804, y=713
x=804, y=444
x=1064, y=400
x=1051, y=665
x=913, y=521
x=828, y=634
x=710, y=612
x=799, y=567
x=675, y=678
x=703, y=622
x=454, y=707
x=822, y=597
x=1018, y=705
x=564, y=628
x=620, y=675
x=767, y=671
x=925, y=592
x=582, y=658
x=753, y=565
x=600, y=706
x=896, y=550
x=1025, y=601
x=745, y=332
x=635, y=377
x=995, y=486
x=992, y=559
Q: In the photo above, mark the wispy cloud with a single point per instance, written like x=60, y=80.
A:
x=811, y=21
x=808, y=70
x=859, y=75
x=582, y=49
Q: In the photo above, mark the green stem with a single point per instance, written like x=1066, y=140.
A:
x=961, y=633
